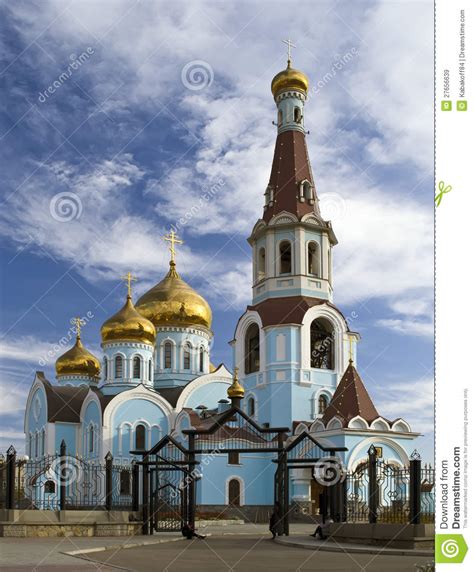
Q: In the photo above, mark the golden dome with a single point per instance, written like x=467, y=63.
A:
x=128, y=325
x=78, y=361
x=173, y=302
x=290, y=79
x=235, y=390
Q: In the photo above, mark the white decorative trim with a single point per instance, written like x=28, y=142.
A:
x=366, y=443
x=316, y=426
x=138, y=392
x=401, y=425
x=242, y=488
x=340, y=330
x=357, y=422
x=379, y=424
x=245, y=321
x=283, y=217
x=221, y=374
x=335, y=423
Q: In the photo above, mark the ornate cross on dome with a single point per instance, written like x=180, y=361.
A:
x=173, y=239
x=129, y=279
x=290, y=45
x=77, y=321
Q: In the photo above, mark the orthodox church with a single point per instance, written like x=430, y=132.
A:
x=294, y=350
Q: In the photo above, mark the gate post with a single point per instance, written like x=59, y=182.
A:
x=62, y=475
x=191, y=513
x=10, y=468
x=108, y=480
x=146, y=496
x=373, y=500
x=135, y=485
x=415, y=488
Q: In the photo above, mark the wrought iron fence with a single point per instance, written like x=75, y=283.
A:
x=62, y=481
x=380, y=491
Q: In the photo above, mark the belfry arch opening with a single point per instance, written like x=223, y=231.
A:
x=261, y=264
x=285, y=257
x=322, y=344
x=314, y=259
x=252, y=349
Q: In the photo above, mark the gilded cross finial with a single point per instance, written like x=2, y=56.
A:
x=173, y=239
x=78, y=323
x=290, y=45
x=128, y=278
x=351, y=354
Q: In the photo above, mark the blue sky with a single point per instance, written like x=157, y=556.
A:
x=150, y=106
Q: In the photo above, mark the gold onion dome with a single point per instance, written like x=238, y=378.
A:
x=78, y=361
x=235, y=390
x=173, y=302
x=290, y=79
x=128, y=325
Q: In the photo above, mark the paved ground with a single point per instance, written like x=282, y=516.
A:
x=248, y=554
x=238, y=548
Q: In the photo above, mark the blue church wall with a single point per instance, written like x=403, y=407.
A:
x=37, y=419
x=207, y=395
x=68, y=432
x=125, y=420
x=256, y=471
x=177, y=375
x=92, y=418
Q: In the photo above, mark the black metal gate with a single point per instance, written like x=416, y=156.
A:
x=168, y=498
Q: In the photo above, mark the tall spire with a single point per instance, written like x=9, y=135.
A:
x=291, y=186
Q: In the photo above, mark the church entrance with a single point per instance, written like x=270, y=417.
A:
x=317, y=490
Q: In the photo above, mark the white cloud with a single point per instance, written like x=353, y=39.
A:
x=414, y=399
x=384, y=232
x=408, y=326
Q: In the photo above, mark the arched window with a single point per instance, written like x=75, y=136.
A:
x=49, y=487
x=43, y=440
x=322, y=404
x=106, y=375
x=280, y=117
x=168, y=355
x=285, y=257
x=234, y=492
x=118, y=367
x=297, y=115
x=252, y=349
x=251, y=407
x=37, y=444
x=314, y=259
x=150, y=370
x=137, y=367
x=322, y=344
x=187, y=356
x=307, y=190
x=261, y=264
x=201, y=359
x=91, y=439
x=140, y=437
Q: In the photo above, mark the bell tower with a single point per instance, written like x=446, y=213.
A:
x=291, y=243
x=292, y=344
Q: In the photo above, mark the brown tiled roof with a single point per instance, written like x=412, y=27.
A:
x=288, y=310
x=64, y=403
x=290, y=167
x=171, y=394
x=350, y=399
